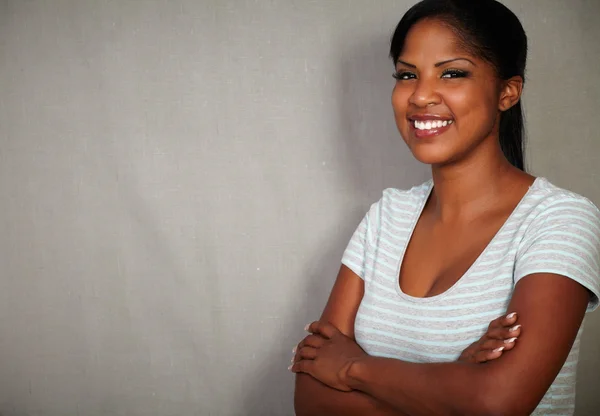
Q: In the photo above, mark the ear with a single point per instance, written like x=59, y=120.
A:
x=510, y=94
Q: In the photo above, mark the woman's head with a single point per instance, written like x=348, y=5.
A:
x=478, y=92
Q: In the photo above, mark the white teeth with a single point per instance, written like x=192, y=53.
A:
x=434, y=124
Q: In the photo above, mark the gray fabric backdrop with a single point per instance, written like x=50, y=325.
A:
x=178, y=180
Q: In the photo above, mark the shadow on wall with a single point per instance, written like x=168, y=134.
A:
x=373, y=157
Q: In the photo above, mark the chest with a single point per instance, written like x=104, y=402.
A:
x=479, y=283
x=436, y=256
x=390, y=323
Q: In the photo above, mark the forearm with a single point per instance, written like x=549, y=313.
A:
x=426, y=389
x=312, y=398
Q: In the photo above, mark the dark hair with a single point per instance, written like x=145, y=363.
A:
x=488, y=30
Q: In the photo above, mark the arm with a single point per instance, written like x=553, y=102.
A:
x=511, y=386
x=313, y=398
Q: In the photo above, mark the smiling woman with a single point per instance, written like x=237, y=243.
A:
x=477, y=69
x=429, y=268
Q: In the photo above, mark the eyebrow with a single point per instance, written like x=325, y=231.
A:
x=439, y=63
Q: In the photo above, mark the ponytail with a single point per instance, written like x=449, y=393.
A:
x=512, y=135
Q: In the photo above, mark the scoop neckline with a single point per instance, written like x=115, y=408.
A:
x=415, y=218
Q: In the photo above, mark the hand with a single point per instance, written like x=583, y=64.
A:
x=326, y=355
x=499, y=338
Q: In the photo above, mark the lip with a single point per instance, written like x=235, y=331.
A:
x=423, y=134
x=425, y=117
x=426, y=134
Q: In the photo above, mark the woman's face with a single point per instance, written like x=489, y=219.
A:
x=446, y=101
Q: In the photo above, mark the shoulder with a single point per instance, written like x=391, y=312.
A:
x=562, y=237
x=552, y=204
x=404, y=201
x=396, y=207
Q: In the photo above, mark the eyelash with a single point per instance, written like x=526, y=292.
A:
x=454, y=73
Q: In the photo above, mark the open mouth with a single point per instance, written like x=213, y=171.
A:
x=427, y=127
x=430, y=124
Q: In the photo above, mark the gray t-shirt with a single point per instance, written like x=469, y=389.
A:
x=551, y=230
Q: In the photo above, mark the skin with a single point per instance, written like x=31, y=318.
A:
x=500, y=337
x=475, y=190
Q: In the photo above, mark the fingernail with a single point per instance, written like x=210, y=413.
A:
x=294, y=350
x=509, y=341
x=306, y=327
x=292, y=360
x=514, y=328
x=512, y=315
x=499, y=349
x=290, y=368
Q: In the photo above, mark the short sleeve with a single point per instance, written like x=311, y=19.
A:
x=355, y=255
x=564, y=239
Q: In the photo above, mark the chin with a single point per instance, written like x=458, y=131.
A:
x=432, y=159
x=432, y=153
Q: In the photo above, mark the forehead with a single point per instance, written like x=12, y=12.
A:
x=431, y=39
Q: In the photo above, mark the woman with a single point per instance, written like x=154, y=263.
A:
x=428, y=268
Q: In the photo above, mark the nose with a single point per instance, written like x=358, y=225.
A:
x=425, y=94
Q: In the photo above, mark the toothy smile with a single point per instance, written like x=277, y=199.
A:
x=430, y=124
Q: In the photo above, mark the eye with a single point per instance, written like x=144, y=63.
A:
x=404, y=75
x=454, y=73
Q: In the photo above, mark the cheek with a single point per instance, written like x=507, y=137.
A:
x=473, y=107
x=400, y=98
x=461, y=101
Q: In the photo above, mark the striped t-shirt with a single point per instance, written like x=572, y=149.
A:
x=551, y=230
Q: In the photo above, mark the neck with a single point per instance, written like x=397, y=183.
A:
x=463, y=190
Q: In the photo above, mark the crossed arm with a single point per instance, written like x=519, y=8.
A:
x=550, y=307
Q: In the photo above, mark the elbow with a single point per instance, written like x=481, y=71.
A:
x=499, y=399
x=496, y=407
x=303, y=406
x=300, y=407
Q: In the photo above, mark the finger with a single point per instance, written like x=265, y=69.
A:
x=509, y=320
x=496, y=333
x=488, y=355
x=302, y=366
x=509, y=343
x=307, y=353
x=504, y=320
x=469, y=352
x=507, y=332
x=492, y=344
x=311, y=340
x=295, y=356
x=315, y=341
x=466, y=357
x=504, y=332
x=473, y=347
x=325, y=329
x=496, y=323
